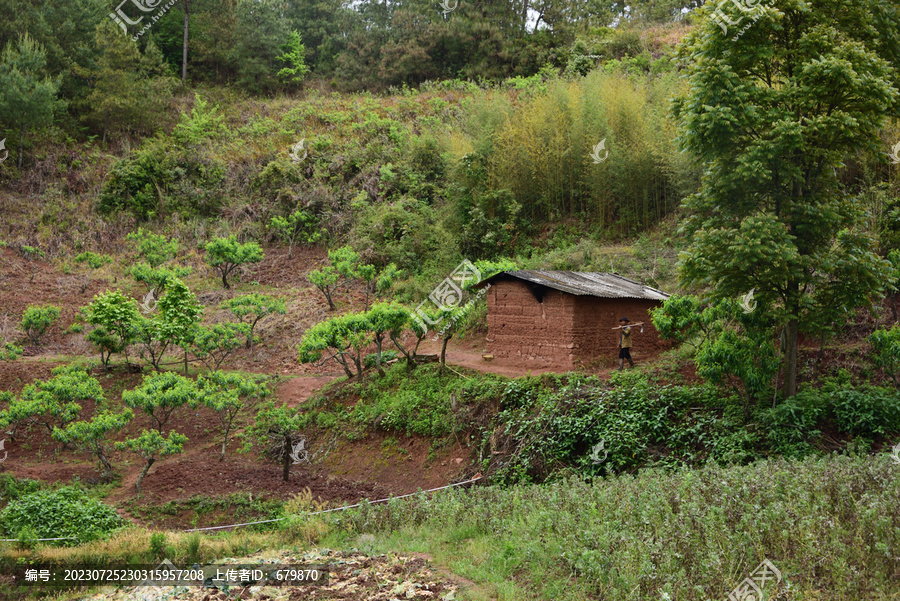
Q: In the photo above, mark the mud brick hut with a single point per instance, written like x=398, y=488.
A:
x=563, y=318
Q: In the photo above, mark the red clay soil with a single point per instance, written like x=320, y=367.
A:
x=203, y=473
x=399, y=463
x=296, y=390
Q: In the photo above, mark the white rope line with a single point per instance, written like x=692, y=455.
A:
x=15, y=540
x=336, y=508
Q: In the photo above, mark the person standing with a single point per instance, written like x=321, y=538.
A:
x=625, y=343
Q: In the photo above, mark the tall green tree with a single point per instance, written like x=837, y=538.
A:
x=129, y=89
x=64, y=29
x=772, y=113
x=294, y=67
x=178, y=314
x=261, y=32
x=322, y=25
x=27, y=94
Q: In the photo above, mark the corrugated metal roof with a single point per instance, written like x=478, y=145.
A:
x=584, y=283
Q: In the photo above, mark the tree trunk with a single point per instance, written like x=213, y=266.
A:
x=345, y=364
x=790, y=358
x=894, y=306
x=378, y=341
x=286, y=459
x=357, y=359
x=107, y=467
x=144, y=471
x=184, y=47
x=444, y=354
x=250, y=335
x=327, y=294
x=21, y=149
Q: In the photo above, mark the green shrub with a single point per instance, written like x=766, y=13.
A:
x=159, y=176
x=494, y=225
x=26, y=539
x=155, y=249
x=867, y=411
x=417, y=403
x=792, y=426
x=9, y=351
x=157, y=545
x=886, y=351
x=401, y=232
x=37, y=319
x=66, y=512
x=12, y=488
x=93, y=260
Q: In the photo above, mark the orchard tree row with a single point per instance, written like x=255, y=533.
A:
x=55, y=405
x=175, y=317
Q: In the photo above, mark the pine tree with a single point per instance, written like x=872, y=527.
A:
x=130, y=90
x=27, y=95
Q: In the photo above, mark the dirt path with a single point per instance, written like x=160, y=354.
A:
x=297, y=390
x=469, y=354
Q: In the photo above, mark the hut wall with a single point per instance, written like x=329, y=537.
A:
x=520, y=327
x=563, y=329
